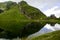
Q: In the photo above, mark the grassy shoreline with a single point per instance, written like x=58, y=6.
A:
x=49, y=36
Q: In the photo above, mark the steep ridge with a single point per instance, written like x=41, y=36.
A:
x=30, y=11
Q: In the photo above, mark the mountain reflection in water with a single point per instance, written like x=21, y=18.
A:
x=30, y=30
x=27, y=30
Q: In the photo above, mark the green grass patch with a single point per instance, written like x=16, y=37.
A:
x=49, y=36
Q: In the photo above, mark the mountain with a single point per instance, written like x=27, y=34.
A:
x=2, y=5
x=49, y=36
x=30, y=11
x=7, y=5
x=17, y=17
x=13, y=20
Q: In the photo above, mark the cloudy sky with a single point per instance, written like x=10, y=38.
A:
x=48, y=7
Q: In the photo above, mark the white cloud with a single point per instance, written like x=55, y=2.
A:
x=3, y=0
x=16, y=0
x=57, y=27
x=10, y=0
x=45, y=5
x=53, y=10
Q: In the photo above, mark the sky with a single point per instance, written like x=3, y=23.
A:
x=48, y=7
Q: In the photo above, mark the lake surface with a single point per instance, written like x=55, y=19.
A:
x=46, y=29
x=34, y=30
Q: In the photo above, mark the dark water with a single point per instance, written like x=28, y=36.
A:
x=30, y=30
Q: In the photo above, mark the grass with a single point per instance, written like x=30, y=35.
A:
x=49, y=36
x=2, y=5
x=13, y=20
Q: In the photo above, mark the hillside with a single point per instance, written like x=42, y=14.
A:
x=13, y=20
x=7, y=4
x=49, y=36
x=16, y=17
x=30, y=11
x=2, y=5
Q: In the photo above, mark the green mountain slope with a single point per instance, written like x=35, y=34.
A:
x=13, y=20
x=2, y=5
x=30, y=11
x=7, y=5
x=49, y=36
